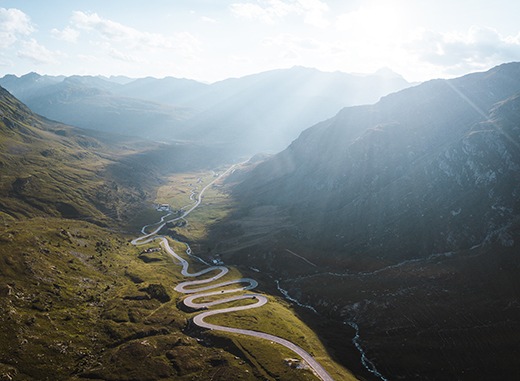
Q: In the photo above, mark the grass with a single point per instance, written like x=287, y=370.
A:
x=74, y=306
x=49, y=169
x=215, y=207
x=278, y=319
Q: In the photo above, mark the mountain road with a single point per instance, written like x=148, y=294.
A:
x=203, y=288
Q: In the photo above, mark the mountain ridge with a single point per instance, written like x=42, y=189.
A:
x=263, y=111
x=385, y=127
x=409, y=211
x=43, y=162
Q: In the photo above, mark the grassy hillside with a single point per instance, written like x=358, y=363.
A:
x=49, y=169
x=78, y=304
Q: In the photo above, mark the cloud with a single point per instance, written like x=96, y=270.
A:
x=115, y=32
x=291, y=49
x=479, y=47
x=269, y=11
x=293, y=42
x=108, y=29
x=15, y=31
x=15, y=21
x=123, y=37
x=13, y=24
x=268, y=14
x=187, y=44
x=314, y=11
x=68, y=34
x=119, y=55
x=31, y=50
x=208, y=20
x=371, y=24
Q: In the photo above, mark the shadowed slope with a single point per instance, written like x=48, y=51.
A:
x=410, y=210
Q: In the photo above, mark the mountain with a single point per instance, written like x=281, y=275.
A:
x=409, y=212
x=93, y=103
x=261, y=112
x=50, y=169
x=28, y=85
x=266, y=111
x=58, y=267
x=431, y=153
x=169, y=90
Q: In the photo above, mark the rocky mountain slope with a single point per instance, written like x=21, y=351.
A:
x=440, y=161
x=403, y=218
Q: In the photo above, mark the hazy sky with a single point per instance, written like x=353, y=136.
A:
x=209, y=40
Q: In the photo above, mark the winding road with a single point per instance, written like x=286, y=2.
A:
x=202, y=288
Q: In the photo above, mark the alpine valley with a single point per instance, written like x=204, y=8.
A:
x=384, y=237
x=78, y=300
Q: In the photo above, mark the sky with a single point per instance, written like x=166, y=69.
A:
x=211, y=40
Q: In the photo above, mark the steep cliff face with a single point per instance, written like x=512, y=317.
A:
x=438, y=162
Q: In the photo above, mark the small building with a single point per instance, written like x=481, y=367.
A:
x=151, y=250
x=163, y=207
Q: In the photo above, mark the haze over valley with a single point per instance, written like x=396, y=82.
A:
x=262, y=112
x=259, y=190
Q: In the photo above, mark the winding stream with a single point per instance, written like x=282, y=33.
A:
x=365, y=361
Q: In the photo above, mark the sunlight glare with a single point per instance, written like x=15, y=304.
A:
x=376, y=33
x=373, y=24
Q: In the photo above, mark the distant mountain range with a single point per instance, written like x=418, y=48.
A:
x=407, y=208
x=261, y=112
x=91, y=103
